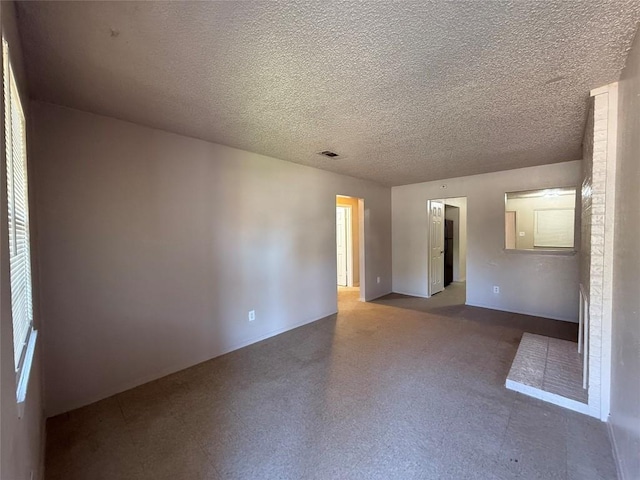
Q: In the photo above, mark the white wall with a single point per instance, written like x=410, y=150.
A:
x=460, y=267
x=533, y=283
x=155, y=246
x=625, y=361
x=21, y=438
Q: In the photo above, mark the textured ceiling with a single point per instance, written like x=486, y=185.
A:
x=406, y=92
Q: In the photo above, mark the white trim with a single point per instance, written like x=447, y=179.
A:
x=411, y=294
x=568, y=252
x=583, y=335
x=616, y=451
x=348, y=245
x=599, y=91
x=586, y=367
x=362, y=277
x=522, y=312
x=607, y=297
x=548, y=397
x=349, y=239
x=584, y=293
x=361, y=245
x=25, y=372
x=384, y=294
x=581, y=302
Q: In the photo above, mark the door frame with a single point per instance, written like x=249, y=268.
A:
x=466, y=222
x=362, y=249
x=349, y=242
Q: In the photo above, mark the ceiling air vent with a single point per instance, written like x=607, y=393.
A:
x=329, y=153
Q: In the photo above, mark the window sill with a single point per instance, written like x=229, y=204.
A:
x=25, y=373
x=566, y=252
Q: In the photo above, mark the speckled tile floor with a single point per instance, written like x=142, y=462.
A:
x=549, y=365
x=393, y=389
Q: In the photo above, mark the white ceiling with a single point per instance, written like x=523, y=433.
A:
x=406, y=92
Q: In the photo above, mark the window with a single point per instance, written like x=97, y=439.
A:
x=18, y=218
x=540, y=219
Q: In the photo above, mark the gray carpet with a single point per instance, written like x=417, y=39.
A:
x=380, y=391
x=451, y=303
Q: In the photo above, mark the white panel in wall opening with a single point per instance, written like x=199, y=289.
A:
x=436, y=246
x=553, y=228
x=343, y=244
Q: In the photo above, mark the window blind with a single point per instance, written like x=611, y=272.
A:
x=553, y=228
x=18, y=214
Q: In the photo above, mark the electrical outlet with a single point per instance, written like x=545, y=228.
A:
x=378, y=279
x=252, y=315
x=496, y=289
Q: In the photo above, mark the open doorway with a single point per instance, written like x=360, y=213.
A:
x=349, y=248
x=448, y=249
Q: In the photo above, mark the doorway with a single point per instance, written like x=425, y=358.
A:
x=344, y=246
x=447, y=248
x=349, y=248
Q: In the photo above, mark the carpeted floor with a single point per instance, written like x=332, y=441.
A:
x=394, y=389
x=451, y=303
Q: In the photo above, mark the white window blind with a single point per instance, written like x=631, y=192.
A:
x=18, y=214
x=553, y=228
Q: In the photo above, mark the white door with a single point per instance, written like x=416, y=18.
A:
x=341, y=243
x=436, y=246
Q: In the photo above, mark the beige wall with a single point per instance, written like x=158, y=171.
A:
x=155, y=246
x=355, y=235
x=21, y=439
x=532, y=283
x=525, y=216
x=625, y=365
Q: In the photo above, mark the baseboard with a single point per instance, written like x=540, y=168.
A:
x=377, y=296
x=410, y=294
x=176, y=368
x=522, y=312
x=615, y=450
x=548, y=397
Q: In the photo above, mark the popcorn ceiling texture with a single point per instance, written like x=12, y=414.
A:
x=406, y=92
